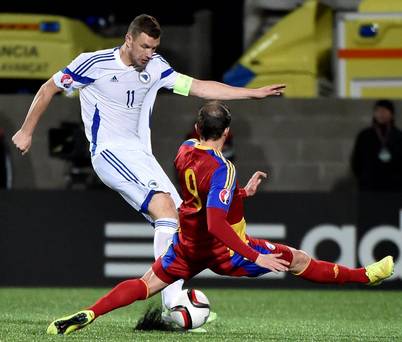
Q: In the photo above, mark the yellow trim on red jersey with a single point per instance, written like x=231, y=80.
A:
x=240, y=230
x=231, y=171
x=202, y=147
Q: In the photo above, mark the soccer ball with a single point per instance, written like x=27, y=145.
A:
x=190, y=309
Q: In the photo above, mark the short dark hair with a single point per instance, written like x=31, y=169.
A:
x=385, y=104
x=147, y=24
x=213, y=118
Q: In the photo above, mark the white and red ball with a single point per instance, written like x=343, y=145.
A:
x=190, y=309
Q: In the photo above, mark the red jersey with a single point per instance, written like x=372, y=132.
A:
x=211, y=221
x=207, y=180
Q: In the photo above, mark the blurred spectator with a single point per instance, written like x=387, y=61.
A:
x=377, y=155
x=228, y=149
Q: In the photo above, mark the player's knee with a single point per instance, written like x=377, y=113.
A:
x=300, y=261
x=162, y=206
x=153, y=283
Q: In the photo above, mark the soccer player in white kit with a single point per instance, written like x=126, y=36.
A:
x=117, y=90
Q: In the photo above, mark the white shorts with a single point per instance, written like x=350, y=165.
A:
x=135, y=175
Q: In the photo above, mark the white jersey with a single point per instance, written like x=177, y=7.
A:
x=116, y=100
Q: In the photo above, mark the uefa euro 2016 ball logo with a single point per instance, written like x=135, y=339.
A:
x=66, y=80
x=224, y=196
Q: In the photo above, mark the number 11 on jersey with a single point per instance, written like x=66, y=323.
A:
x=130, y=98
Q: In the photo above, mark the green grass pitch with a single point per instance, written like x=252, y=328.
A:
x=243, y=315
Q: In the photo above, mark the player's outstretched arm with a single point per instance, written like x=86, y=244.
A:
x=219, y=91
x=254, y=182
x=221, y=229
x=22, y=139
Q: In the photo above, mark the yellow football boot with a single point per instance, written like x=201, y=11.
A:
x=380, y=270
x=68, y=324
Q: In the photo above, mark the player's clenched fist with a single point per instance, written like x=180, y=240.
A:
x=273, y=262
x=22, y=141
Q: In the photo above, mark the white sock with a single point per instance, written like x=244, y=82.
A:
x=171, y=292
x=165, y=228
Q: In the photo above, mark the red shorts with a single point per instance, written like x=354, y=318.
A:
x=173, y=265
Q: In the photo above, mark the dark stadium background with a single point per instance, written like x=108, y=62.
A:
x=53, y=236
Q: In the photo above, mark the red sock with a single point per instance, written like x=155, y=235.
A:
x=123, y=294
x=327, y=272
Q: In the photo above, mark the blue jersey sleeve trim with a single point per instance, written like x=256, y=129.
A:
x=78, y=78
x=166, y=73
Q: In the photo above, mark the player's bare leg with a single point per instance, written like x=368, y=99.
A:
x=326, y=272
x=125, y=293
x=163, y=211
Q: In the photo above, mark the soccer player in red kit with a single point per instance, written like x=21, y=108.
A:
x=213, y=232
